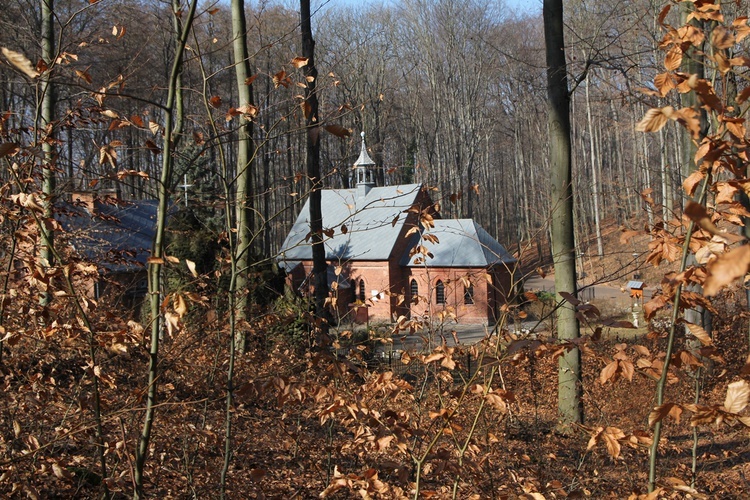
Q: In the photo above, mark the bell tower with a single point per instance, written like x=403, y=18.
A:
x=364, y=171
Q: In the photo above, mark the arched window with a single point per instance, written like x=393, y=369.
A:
x=439, y=293
x=361, y=290
x=469, y=294
x=413, y=289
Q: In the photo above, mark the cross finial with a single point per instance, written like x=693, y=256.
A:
x=185, y=187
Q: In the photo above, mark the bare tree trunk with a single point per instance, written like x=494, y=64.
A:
x=647, y=179
x=666, y=188
x=157, y=253
x=47, y=90
x=245, y=159
x=692, y=64
x=596, y=179
x=569, y=367
x=312, y=123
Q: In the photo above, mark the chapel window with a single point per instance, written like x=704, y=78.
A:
x=469, y=294
x=440, y=293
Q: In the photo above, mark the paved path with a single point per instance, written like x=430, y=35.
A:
x=468, y=334
x=602, y=291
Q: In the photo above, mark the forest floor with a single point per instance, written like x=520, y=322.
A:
x=348, y=424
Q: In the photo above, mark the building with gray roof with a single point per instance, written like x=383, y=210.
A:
x=398, y=257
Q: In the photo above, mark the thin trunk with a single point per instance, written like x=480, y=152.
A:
x=244, y=200
x=691, y=65
x=647, y=180
x=312, y=125
x=569, y=403
x=157, y=253
x=47, y=90
x=594, y=172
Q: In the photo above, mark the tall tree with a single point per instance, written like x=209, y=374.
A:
x=693, y=64
x=563, y=242
x=312, y=128
x=47, y=115
x=245, y=157
x=172, y=128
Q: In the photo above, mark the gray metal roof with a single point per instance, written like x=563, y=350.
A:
x=638, y=285
x=462, y=243
x=118, y=238
x=370, y=231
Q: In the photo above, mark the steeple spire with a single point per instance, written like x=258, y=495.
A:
x=363, y=168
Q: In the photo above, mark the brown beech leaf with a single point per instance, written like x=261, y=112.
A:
x=673, y=59
x=699, y=333
x=690, y=119
x=435, y=356
x=652, y=306
x=725, y=269
x=655, y=119
x=180, y=305
x=497, y=401
x=664, y=82
x=7, y=148
x=137, y=121
x=627, y=235
x=569, y=297
x=84, y=75
x=628, y=370
x=300, y=62
x=658, y=413
x=612, y=436
x=663, y=14
x=722, y=37
x=725, y=192
x=20, y=62
x=248, y=110
x=746, y=367
x=741, y=28
x=60, y=472
x=743, y=95
x=692, y=181
x=698, y=214
x=608, y=372
x=306, y=108
x=280, y=78
x=338, y=130
x=191, y=267
x=737, y=396
x=447, y=362
x=151, y=146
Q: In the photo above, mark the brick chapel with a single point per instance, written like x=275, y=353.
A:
x=390, y=255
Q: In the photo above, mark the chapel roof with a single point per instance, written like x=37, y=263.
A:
x=118, y=237
x=461, y=243
x=373, y=224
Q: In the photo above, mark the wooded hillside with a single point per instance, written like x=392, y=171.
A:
x=154, y=155
x=449, y=94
